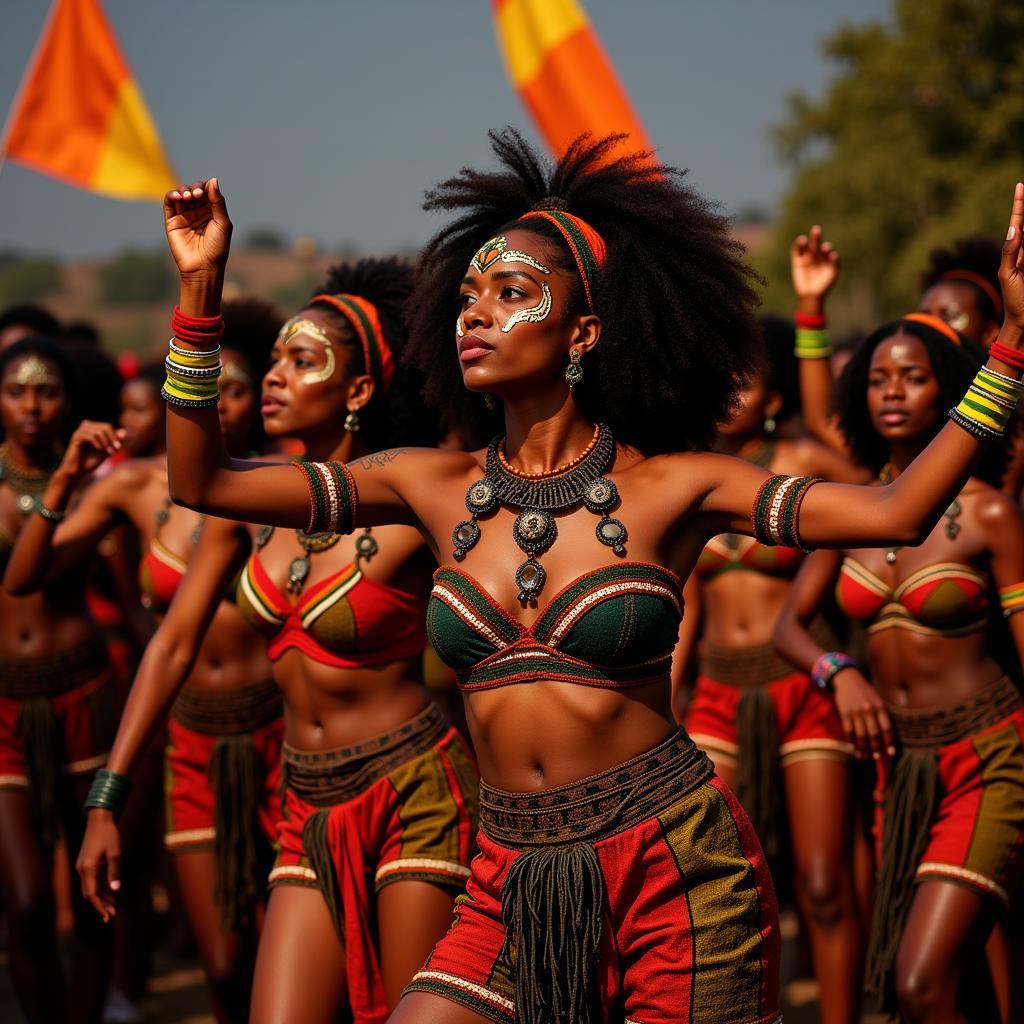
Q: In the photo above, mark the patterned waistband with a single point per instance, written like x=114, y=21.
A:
x=601, y=805
x=50, y=675
x=934, y=727
x=329, y=777
x=228, y=712
x=743, y=666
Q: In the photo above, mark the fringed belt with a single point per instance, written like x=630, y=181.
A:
x=228, y=712
x=911, y=798
x=553, y=897
x=329, y=777
x=935, y=727
x=50, y=675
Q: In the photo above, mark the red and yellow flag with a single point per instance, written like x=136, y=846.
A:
x=80, y=116
x=559, y=68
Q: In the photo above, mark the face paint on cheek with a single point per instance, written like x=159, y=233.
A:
x=459, y=331
x=533, y=315
x=312, y=330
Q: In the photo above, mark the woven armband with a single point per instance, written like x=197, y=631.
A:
x=828, y=666
x=776, y=512
x=333, y=498
x=1011, y=599
x=988, y=405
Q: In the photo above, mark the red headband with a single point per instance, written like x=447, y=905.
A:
x=936, y=323
x=362, y=315
x=585, y=244
x=976, y=279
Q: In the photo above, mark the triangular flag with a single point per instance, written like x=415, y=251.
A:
x=80, y=116
x=560, y=70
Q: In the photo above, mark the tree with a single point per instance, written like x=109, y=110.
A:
x=25, y=279
x=917, y=140
x=137, y=277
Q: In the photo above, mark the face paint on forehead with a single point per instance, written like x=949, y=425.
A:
x=232, y=371
x=490, y=251
x=533, y=315
x=298, y=325
x=33, y=372
x=957, y=317
x=515, y=256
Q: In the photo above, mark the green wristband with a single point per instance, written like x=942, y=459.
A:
x=48, y=513
x=109, y=791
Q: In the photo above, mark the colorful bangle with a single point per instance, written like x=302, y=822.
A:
x=333, y=498
x=986, y=409
x=776, y=512
x=1005, y=354
x=109, y=791
x=812, y=343
x=812, y=322
x=1011, y=599
x=196, y=330
x=191, y=353
x=48, y=513
x=828, y=666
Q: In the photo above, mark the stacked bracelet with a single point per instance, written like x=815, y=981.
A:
x=1011, y=599
x=48, y=513
x=109, y=791
x=776, y=512
x=811, y=337
x=192, y=372
x=988, y=405
x=828, y=666
x=333, y=499
x=1007, y=355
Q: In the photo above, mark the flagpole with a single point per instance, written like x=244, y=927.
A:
x=50, y=15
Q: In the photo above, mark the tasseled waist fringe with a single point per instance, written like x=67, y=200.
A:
x=228, y=712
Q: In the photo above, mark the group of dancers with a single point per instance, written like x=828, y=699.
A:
x=511, y=467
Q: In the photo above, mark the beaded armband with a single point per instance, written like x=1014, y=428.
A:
x=109, y=791
x=828, y=666
x=192, y=374
x=333, y=498
x=1011, y=599
x=988, y=405
x=776, y=512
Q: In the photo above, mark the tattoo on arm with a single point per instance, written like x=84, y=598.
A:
x=380, y=459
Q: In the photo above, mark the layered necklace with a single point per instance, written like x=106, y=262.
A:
x=28, y=484
x=537, y=496
x=951, y=515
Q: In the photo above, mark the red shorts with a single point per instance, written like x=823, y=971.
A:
x=397, y=808
x=76, y=686
x=190, y=801
x=688, y=921
x=808, y=723
x=976, y=837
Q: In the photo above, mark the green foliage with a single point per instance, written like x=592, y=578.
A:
x=917, y=140
x=294, y=295
x=266, y=238
x=25, y=279
x=137, y=277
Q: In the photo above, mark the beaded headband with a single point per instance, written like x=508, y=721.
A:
x=936, y=323
x=979, y=282
x=362, y=315
x=585, y=244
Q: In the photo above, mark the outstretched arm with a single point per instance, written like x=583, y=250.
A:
x=201, y=473
x=165, y=666
x=47, y=548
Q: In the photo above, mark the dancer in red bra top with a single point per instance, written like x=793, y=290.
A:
x=224, y=733
x=603, y=308
x=775, y=739
x=379, y=790
x=944, y=723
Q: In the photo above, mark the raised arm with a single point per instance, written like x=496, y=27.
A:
x=50, y=544
x=814, y=265
x=1000, y=518
x=201, y=473
x=165, y=666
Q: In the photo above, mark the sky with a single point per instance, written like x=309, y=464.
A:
x=329, y=118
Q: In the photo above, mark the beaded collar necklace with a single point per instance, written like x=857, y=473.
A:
x=537, y=496
x=28, y=484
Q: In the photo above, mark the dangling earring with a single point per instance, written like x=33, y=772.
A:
x=769, y=424
x=352, y=421
x=574, y=372
x=490, y=402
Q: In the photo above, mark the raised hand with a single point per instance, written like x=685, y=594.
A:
x=198, y=228
x=90, y=444
x=1011, y=273
x=814, y=266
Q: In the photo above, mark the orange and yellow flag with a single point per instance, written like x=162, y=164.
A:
x=559, y=68
x=80, y=116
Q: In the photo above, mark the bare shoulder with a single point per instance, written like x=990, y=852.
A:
x=704, y=469
x=807, y=457
x=135, y=475
x=436, y=461
x=995, y=510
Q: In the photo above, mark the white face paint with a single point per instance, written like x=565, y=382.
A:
x=459, y=330
x=533, y=315
x=515, y=256
x=297, y=325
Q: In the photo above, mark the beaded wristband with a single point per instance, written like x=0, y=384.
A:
x=48, y=513
x=191, y=353
x=828, y=666
x=987, y=407
x=173, y=366
x=333, y=498
x=812, y=343
x=109, y=791
x=1011, y=599
x=776, y=512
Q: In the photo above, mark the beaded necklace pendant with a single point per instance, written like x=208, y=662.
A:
x=537, y=497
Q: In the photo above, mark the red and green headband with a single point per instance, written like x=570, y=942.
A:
x=585, y=244
x=362, y=315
